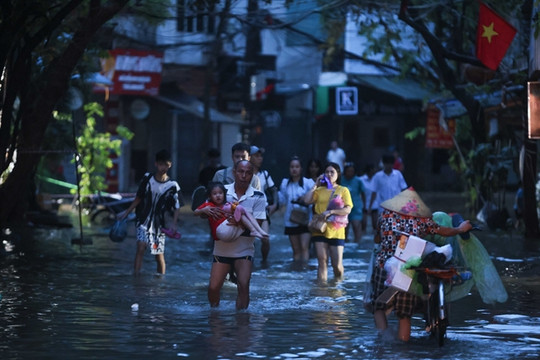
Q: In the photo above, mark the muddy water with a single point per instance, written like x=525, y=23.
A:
x=64, y=301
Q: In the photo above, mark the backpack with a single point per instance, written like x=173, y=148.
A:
x=269, y=194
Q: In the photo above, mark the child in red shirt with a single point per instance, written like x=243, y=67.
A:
x=221, y=226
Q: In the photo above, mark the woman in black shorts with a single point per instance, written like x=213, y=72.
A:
x=291, y=193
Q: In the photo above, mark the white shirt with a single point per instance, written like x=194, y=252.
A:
x=368, y=189
x=388, y=186
x=292, y=191
x=254, y=202
x=337, y=156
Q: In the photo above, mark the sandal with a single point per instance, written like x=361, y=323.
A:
x=171, y=233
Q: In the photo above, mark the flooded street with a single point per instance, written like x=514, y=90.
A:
x=64, y=301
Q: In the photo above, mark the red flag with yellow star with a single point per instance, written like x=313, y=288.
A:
x=493, y=37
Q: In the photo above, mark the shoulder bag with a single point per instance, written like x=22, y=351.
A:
x=318, y=221
x=299, y=212
x=299, y=216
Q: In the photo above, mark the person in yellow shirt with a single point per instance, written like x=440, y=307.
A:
x=334, y=202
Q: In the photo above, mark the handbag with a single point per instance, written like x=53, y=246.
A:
x=317, y=223
x=299, y=216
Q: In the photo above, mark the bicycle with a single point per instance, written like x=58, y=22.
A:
x=105, y=208
x=434, y=274
x=437, y=311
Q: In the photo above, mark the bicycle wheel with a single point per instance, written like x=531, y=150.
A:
x=437, y=318
x=439, y=331
x=441, y=314
x=103, y=217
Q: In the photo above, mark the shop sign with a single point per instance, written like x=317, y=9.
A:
x=132, y=72
x=346, y=101
x=438, y=136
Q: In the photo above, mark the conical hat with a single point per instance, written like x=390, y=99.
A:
x=407, y=203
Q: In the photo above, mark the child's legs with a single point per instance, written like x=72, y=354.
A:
x=253, y=225
x=142, y=242
x=139, y=254
x=217, y=278
x=160, y=262
x=241, y=215
x=226, y=232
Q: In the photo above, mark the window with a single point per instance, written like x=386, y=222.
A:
x=195, y=17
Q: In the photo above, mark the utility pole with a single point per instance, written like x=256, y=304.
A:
x=215, y=49
x=253, y=48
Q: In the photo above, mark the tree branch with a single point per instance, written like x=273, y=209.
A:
x=446, y=72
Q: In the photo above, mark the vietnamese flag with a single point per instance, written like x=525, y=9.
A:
x=493, y=37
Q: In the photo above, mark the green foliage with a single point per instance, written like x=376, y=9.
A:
x=94, y=149
x=483, y=167
x=432, y=41
x=487, y=172
x=416, y=132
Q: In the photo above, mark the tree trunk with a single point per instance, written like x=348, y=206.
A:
x=15, y=192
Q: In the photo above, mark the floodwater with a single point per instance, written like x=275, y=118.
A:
x=64, y=301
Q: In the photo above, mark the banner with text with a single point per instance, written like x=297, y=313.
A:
x=132, y=72
x=437, y=137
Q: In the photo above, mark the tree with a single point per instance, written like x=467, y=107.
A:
x=434, y=42
x=93, y=148
x=41, y=43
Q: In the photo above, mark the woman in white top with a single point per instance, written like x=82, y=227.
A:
x=291, y=194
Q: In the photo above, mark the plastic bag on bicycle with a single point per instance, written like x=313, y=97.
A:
x=471, y=254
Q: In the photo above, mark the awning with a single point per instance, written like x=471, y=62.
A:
x=452, y=108
x=405, y=89
x=195, y=107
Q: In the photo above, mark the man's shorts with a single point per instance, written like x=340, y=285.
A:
x=156, y=242
x=230, y=260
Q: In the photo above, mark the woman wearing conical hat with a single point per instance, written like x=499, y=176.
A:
x=407, y=213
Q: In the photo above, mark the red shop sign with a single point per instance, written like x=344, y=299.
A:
x=436, y=136
x=132, y=72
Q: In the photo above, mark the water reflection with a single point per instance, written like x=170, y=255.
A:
x=237, y=334
x=64, y=301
